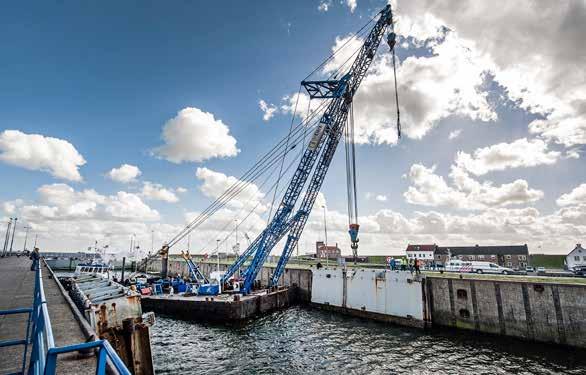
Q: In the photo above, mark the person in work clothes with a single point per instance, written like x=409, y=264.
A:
x=35, y=256
x=417, y=265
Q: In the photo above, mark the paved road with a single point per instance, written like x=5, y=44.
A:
x=16, y=290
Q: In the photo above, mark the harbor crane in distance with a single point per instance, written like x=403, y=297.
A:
x=317, y=158
x=334, y=119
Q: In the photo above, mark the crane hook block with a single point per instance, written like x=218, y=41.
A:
x=354, y=234
x=391, y=40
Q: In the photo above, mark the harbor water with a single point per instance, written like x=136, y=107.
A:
x=301, y=340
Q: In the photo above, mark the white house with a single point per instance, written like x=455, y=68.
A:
x=576, y=257
x=421, y=252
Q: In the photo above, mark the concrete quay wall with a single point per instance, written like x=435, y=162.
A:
x=537, y=311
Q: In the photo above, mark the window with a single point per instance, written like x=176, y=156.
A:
x=480, y=257
x=577, y=257
x=471, y=257
x=509, y=264
x=584, y=258
x=438, y=257
x=522, y=257
x=508, y=256
x=493, y=257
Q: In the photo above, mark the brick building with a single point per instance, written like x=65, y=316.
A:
x=506, y=256
x=324, y=251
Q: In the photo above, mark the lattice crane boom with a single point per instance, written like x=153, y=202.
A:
x=318, y=154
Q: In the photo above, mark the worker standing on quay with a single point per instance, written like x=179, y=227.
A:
x=417, y=264
x=35, y=257
x=393, y=264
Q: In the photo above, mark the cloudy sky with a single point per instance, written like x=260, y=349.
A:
x=130, y=118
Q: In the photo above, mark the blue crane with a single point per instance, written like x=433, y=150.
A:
x=197, y=276
x=316, y=158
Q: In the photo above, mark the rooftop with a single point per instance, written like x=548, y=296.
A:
x=484, y=250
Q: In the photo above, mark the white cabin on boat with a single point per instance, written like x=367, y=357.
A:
x=93, y=269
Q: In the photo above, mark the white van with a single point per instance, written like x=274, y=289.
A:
x=478, y=267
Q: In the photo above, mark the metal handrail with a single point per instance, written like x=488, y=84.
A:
x=44, y=353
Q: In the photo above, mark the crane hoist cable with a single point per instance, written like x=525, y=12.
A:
x=351, y=189
x=392, y=40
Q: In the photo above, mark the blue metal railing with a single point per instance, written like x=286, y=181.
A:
x=43, y=359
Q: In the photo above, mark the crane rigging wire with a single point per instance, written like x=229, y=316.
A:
x=278, y=152
x=250, y=211
x=188, y=229
x=284, y=154
x=236, y=188
x=333, y=54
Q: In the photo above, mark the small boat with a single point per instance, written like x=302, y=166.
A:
x=100, y=269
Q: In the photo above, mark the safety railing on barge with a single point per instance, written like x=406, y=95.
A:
x=43, y=357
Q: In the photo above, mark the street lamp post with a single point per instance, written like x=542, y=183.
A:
x=25, y=237
x=325, y=226
x=218, y=253
x=326, y=235
x=6, y=237
x=237, y=244
x=13, y=230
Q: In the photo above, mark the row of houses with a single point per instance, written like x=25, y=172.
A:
x=512, y=256
x=516, y=256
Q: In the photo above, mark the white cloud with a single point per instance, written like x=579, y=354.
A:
x=431, y=88
x=37, y=152
x=345, y=48
x=10, y=207
x=352, y=5
x=216, y=183
x=267, y=109
x=62, y=202
x=324, y=5
x=541, y=72
x=501, y=156
x=125, y=205
x=125, y=173
x=455, y=134
x=575, y=197
x=195, y=135
x=430, y=189
x=158, y=192
x=381, y=198
x=181, y=190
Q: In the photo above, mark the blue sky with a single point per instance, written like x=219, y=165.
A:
x=107, y=77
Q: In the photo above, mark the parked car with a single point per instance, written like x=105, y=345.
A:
x=579, y=270
x=529, y=269
x=540, y=269
x=478, y=267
